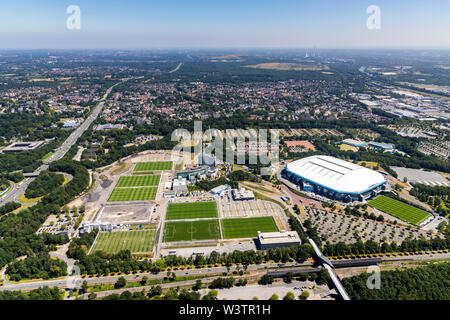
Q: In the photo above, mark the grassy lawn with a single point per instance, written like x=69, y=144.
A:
x=133, y=194
x=135, y=241
x=178, y=211
x=191, y=230
x=247, y=227
x=399, y=209
x=48, y=155
x=153, y=166
x=138, y=181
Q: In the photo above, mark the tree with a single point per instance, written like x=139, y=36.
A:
x=84, y=286
x=289, y=296
x=144, y=280
x=154, y=291
x=266, y=279
x=305, y=295
x=198, y=285
x=289, y=276
x=120, y=283
x=274, y=297
x=92, y=296
x=211, y=295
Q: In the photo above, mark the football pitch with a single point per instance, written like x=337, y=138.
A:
x=191, y=230
x=133, y=194
x=399, y=209
x=135, y=241
x=153, y=166
x=247, y=227
x=194, y=210
x=138, y=181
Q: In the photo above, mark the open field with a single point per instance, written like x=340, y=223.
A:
x=153, y=166
x=191, y=230
x=193, y=210
x=135, y=241
x=287, y=67
x=138, y=181
x=399, y=209
x=133, y=194
x=346, y=147
x=247, y=227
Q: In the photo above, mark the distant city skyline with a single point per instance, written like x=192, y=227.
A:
x=225, y=24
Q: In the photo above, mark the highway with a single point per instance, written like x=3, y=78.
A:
x=19, y=189
x=68, y=282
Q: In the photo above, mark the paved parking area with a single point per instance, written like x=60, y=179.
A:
x=264, y=292
x=226, y=247
x=336, y=227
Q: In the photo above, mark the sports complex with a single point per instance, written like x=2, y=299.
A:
x=334, y=178
x=196, y=221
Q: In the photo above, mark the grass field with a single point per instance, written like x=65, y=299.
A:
x=138, y=181
x=194, y=210
x=133, y=194
x=399, y=209
x=247, y=227
x=153, y=166
x=135, y=241
x=191, y=230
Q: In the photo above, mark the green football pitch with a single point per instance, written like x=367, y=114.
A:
x=194, y=210
x=191, y=230
x=399, y=209
x=153, y=166
x=135, y=241
x=138, y=181
x=133, y=194
x=247, y=227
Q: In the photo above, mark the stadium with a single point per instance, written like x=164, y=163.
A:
x=334, y=178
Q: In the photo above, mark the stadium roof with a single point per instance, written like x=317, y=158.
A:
x=336, y=174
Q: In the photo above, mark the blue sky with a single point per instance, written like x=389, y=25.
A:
x=229, y=23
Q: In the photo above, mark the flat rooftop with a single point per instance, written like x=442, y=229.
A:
x=278, y=237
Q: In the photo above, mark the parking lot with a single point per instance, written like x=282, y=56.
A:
x=336, y=227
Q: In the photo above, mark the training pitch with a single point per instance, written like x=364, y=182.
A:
x=194, y=210
x=399, y=209
x=138, y=181
x=247, y=227
x=153, y=166
x=133, y=194
x=191, y=230
x=135, y=241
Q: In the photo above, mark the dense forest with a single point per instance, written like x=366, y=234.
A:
x=41, y=266
x=45, y=183
x=430, y=282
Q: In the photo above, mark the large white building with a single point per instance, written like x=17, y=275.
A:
x=335, y=178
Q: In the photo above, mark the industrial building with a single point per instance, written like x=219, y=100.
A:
x=334, y=178
x=267, y=240
x=23, y=146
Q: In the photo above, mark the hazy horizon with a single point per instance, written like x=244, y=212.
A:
x=201, y=24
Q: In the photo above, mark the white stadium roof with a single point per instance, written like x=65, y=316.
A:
x=336, y=174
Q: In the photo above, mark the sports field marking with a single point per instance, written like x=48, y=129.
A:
x=153, y=166
x=247, y=227
x=132, y=194
x=192, y=210
x=191, y=230
x=399, y=209
x=138, y=181
x=135, y=241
